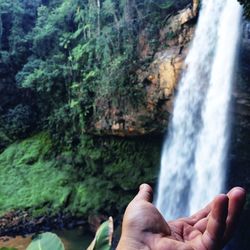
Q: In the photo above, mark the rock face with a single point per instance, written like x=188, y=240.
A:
x=24, y=223
x=239, y=161
x=240, y=158
x=157, y=81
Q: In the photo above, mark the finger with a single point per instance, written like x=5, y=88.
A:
x=237, y=198
x=145, y=193
x=212, y=237
x=195, y=218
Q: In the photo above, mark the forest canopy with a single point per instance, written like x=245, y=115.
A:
x=57, y=56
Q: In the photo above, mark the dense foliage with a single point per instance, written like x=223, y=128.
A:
x=58, y=56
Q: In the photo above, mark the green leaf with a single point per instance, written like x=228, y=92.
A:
x=73, y=103
x=77, y=34
x=75, y=86
x=46, y=241
x=103, y=237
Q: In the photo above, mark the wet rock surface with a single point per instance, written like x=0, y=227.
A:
x=23, y=223
x=239, y=158
x=240, y=141
x=158, y=83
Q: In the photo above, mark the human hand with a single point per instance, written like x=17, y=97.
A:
x=144, y=228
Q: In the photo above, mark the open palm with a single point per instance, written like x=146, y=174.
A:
x=209, y=229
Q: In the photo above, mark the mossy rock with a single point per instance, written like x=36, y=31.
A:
x=100, y=176
x=28, y=179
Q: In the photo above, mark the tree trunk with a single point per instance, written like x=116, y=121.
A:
x=98, y=17
x=195, y=7
x=128, y=13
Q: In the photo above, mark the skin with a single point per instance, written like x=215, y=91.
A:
x=144, y=228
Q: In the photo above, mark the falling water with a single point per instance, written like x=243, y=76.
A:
x=193, y=157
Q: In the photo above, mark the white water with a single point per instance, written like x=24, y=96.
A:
x=193, y=158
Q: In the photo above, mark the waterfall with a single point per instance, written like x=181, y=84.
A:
x=193, y=164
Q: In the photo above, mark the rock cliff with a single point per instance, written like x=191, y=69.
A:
x=158, y=83
x=239, y=160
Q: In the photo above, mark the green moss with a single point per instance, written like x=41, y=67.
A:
x=28, y=179
x=111, y=170
x=100, y=176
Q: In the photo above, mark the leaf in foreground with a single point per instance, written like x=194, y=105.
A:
x=103, y=237
x=46, y=241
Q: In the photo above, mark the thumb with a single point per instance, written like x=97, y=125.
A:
x=145, y=193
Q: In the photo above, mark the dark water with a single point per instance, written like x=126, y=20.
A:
x=76, y=239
